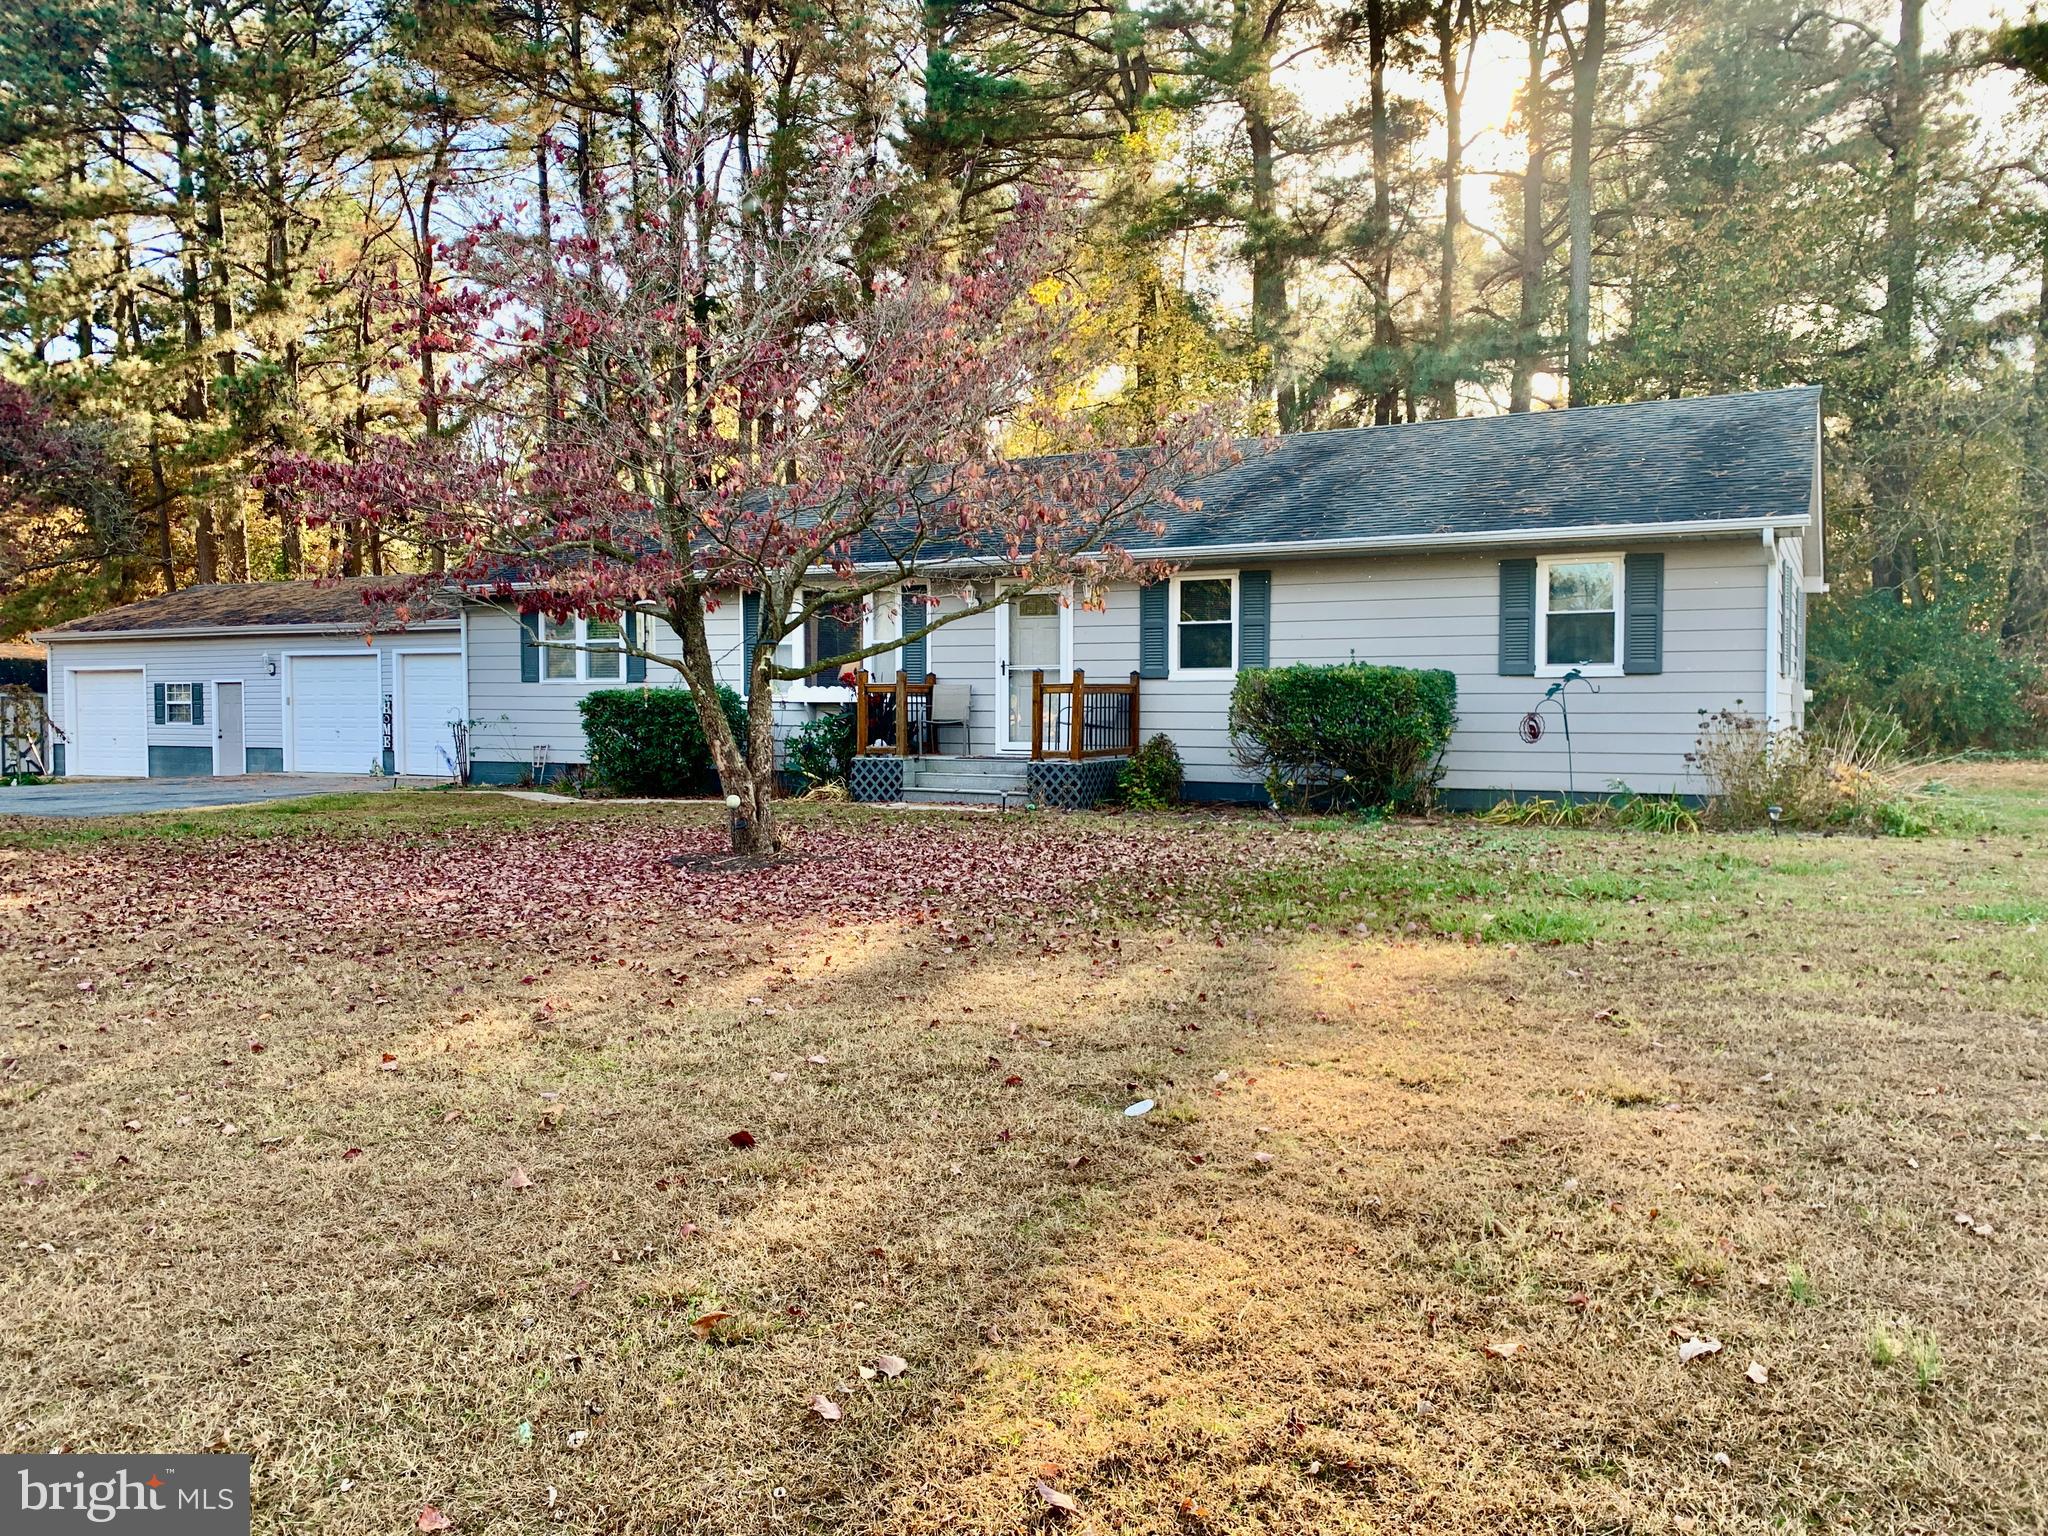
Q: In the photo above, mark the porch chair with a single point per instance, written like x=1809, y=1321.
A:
x=950, y=704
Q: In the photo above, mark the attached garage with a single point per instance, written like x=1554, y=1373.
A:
x=257, y=677
x=108, y=733
x=334, y=714
x=427, y=700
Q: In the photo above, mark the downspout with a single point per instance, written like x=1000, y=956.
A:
x=1771, y=588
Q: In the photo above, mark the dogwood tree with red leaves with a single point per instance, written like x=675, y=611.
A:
x=62, y=504
x=697, y=401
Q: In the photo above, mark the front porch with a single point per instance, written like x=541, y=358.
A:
x=1078, y=734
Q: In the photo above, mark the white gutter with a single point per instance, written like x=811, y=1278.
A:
x=1605, y=533
x=1771, y=620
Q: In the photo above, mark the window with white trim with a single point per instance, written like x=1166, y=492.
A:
x=580, y=649
x=178, y=703
x=1205, y=625
x=828, y=633
x=1578, y=614
x=831, y=631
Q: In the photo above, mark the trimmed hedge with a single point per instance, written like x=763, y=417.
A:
x=1332, y=737
x=650, y=741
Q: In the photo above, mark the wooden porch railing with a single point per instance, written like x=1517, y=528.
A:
x=882, y=710
x=1104, y=725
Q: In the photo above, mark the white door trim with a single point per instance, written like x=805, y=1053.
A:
x=398, y=655
x=291, y=697
x=1065, y=596
x=71, y=732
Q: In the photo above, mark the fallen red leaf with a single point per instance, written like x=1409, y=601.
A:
x=1052, y=1498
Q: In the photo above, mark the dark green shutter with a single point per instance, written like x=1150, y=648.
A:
x=199, y=703
x=1255, y=618
x=750, y=629
x=1518, y=618
x=914, y=616
x=529, y=647
x=1152, y=630
x=1642, y=629
x=636, y=666
x=161, y=711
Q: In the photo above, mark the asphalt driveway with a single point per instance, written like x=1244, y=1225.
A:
x=130, y=797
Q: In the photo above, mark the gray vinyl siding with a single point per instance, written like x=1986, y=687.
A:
x=515, y=718
x=1193, y=711
x=209, y=659
x=1411, y=610
x=965, y=651
x=1442, y=611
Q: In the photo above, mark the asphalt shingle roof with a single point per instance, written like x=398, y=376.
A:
x=1709, y=458
x=262, y=605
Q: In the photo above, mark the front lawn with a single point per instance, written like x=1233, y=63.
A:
x=450, y=1150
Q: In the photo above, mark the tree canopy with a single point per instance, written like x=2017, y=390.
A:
x=236, y=231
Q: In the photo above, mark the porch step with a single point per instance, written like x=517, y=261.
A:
x=965, y=780
x=921, y=794
x=968, y=783
x=962, y=767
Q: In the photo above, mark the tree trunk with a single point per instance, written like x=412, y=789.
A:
x=1579, y=303
x=1529, y=316
x=213, y=174
x=1269, y=269
x=2026, y=608
x=1891, y=559
x=745, y=769
x=166, y=555
x=194, y=406
x=1451, y=19
x=544, y=202
x=1385, y=338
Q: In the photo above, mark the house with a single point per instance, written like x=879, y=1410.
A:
x=1658, y=554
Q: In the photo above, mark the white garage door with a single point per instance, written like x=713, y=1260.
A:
x=430, y=701
x=336, y=711
x=108, y=727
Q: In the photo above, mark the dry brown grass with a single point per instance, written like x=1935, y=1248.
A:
x=1753, y=1114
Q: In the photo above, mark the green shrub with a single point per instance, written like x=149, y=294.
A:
x=1945, y=682
x=821, y=752
x=1153, y=777
x=649, y=741
x=1343, y=736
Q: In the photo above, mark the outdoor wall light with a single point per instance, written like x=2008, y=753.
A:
x=270, y=666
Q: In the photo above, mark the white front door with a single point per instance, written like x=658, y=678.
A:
x=429, y=704
x=229, y=754
x=109, y=726
x=1032, y=636
x=336, y=708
